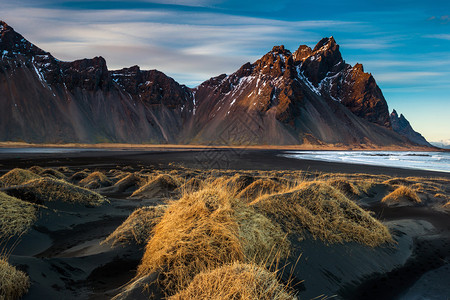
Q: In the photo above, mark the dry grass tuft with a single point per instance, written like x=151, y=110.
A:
x=325, y=213
x=130, y=181
x=36, y=169
x=344, y=186
x=260, y=187
x=48, y=189
x=78, y=176
x=16, y=216
x=137, y=227
x=13, y=283
x=446, y=206
x=193, y=184
x=17, y=176
x=440, y=195
x=401, y=196
x=204, y=230
x=47, y=172
x=239, y=182
x=196, y=233
x=262, y=240
x=399, y=181
x=95, y=180
x=235, y=281
x=52, y=174
x=161, y=186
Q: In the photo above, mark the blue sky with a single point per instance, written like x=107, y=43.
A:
x=404, y=44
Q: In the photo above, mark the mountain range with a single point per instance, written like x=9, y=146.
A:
x=306, y=97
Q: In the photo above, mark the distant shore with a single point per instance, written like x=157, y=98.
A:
x=188, y=147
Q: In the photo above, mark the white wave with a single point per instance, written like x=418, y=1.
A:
x=433, y=161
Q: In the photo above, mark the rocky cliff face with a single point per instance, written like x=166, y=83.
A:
x=310, y=96
x=401, y=125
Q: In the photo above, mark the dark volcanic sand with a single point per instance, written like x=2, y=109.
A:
x=238, y=159
x=97, y=272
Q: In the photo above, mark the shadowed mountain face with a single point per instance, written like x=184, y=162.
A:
x=402, y=127
x=310, y=96
x=47, y=100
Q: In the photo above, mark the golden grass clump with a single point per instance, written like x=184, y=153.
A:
x=260, y=187
x=16, y=216
x=137, y=227
x=399, y=181
x=344, y=186
x=262, y=240
x=130, y=181
x=440, y=195
x=95, y=180
x=13, y=283
x=52, y=174
x=239, y=182
x=193, y=184
x=47, y=172
x=235, y=281
x=446, y=206
x=196, y=233
x=325, y=213
x=17, y=176
x=78, y=176
x=49, y=189
x=401, y=196
x=36, y=169
x=204, y=230
x=161, y=186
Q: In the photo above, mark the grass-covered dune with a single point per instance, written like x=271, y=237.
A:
x=211, y=234
x=211, y=229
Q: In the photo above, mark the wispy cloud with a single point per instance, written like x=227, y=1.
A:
x=438, y=36
x=201, y=45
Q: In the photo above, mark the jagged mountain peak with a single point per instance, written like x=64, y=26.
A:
x=402, y=126
x=88, y=64
x=13, y=43
x=280, y=50
x=358, y=68
x=323, y=61
x=325, y=44
x=276, y=63
x=301, y=53
x=3, y=26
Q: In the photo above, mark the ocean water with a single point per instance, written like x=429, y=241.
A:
x=431, y=161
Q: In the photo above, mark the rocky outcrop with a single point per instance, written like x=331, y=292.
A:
x=325, y=69
x=401, y=125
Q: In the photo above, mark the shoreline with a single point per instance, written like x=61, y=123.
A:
x=125, y=146
x=209, y=158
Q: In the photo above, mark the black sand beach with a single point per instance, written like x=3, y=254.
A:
x=209, y=158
